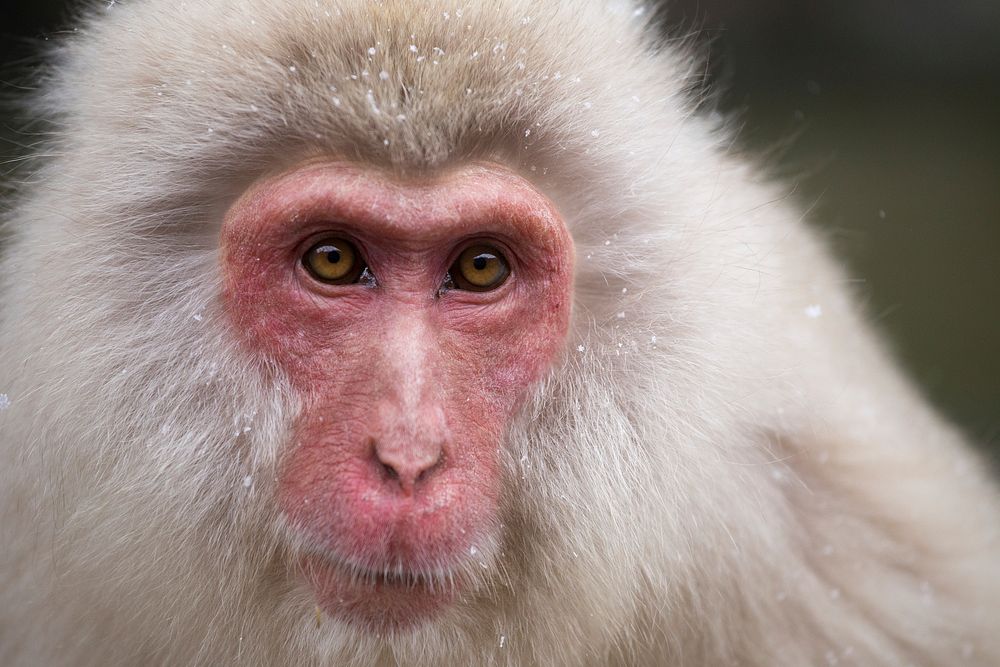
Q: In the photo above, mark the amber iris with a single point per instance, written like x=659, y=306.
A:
x=480, y=268
x=334, y=261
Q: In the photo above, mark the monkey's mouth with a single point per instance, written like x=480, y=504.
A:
x=394, y=577
x=379, y=600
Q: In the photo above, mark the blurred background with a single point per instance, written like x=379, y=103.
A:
x=885, y=115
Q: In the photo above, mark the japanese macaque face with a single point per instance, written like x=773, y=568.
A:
x=410, y=318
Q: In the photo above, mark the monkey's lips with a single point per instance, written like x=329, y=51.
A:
x=379, y=600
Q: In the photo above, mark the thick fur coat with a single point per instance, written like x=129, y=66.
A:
x=724, y=468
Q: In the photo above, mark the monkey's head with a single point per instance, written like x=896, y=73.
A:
x=381, y=326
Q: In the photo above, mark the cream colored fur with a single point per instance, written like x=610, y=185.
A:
x=725, y=468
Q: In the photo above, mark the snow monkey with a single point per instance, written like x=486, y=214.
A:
x=420, y=332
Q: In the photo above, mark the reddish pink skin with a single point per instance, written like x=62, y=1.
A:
x=400, y=373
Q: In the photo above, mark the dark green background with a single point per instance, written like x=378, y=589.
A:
x=886, y=116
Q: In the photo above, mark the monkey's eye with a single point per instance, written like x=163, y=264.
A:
x=480, y=268
x=334, y=261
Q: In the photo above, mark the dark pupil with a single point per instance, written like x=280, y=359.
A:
x=332, y=255
x=481, y=261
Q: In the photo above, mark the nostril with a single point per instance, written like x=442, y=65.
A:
x=422, y=475
x=431, y=468
x=389, y=471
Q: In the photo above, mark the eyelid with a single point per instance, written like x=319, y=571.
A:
x=503, y=246
x=331, y=233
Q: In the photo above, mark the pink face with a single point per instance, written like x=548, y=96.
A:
x=408, y=379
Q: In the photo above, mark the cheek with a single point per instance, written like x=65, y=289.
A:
x=489, y=379
x=495, y=356
x=279, y=320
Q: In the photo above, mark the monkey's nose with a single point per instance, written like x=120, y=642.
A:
x=408, y=465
